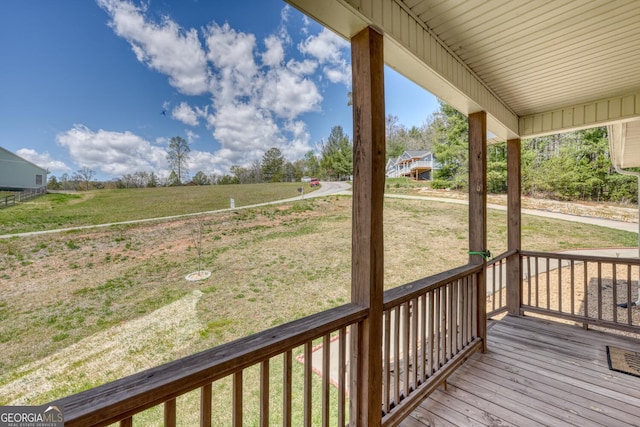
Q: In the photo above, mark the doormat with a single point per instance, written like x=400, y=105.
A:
x=625, y=361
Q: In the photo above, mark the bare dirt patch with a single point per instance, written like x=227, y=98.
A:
x=120, y=350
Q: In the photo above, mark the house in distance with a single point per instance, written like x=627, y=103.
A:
x=18, y=174
x=415, y=164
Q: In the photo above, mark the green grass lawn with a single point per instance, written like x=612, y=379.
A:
x=53, y=211
x=269, y=265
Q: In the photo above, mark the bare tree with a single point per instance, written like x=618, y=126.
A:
x=197, y=242
x=177, y=156
x=84, y=174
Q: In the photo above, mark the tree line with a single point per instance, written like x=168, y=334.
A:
x=570, y=166
x=333, y=162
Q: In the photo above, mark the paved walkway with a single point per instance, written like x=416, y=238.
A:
x=602, y=222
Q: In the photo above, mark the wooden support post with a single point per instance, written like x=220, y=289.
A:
x=367, y=238
x=514, y=209
x=478, y=210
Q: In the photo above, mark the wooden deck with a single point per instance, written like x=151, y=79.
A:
x=537, y=373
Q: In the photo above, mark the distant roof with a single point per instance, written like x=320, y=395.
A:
x=22, y=158
x=417, y=153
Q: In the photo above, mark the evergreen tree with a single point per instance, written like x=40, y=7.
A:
x=200, y=178
x=337, y=155
x=53, y=183
x=273, y=165
x=450, y=148
x=173, y=179
x=312, y=164
x=153, y=180
x=497, y=168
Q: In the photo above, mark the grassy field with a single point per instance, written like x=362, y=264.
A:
x=81, y=308
x=58, y=210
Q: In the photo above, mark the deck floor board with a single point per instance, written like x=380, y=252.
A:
x=535, y=373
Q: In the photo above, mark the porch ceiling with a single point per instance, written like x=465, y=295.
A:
x=537, y=67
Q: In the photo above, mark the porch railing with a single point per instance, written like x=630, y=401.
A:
x=430, y=329
x=591, y=290
x=497, y=284
x=121, y=400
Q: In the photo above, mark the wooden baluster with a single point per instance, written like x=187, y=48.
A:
x=614, y=286
x=237, y=399
x=414, y=341
x=386, y=359
x=548, y=275
x=573, y=287
x=342, y=371
x=431, y=334
x=599, y=290
x=170, y=413
x=264, y=393
x=585, y=325
x=405, y=313
x=629, y=314
x=308, y=354
x=560, y=290
x=205, y=406
x=443, y=326
x=326, y=367
x=396, y=354
x=423, y=338
x=286, y=388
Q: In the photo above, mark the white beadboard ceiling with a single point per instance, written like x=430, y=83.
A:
x=540, y=55
x=536, y=66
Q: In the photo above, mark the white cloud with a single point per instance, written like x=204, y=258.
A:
x=205, y=162
x=191, y=135
x=289, y=95
x=325, y=47
x=113, y=153
x=185, y=114
x=274, y=55
x=43, y=160
x=328, y=49
x=242, y=130
x=164, y=47
x=303, y=68
x=232, y=53
x=306, y=23
x=250, y=100
x=298, y=145
x=338, y=73
x=257, y=96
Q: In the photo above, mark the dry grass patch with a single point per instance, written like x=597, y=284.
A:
x=269, y=265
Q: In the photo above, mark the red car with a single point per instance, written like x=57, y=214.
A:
x=314, y=182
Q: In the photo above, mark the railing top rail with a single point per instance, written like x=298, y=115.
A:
x=579, y=257
x=401, y=294
x=501, y=257
x=127, y=396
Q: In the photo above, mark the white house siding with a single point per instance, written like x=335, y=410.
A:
x=17, y=173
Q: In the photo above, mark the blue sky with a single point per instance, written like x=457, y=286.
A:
x=105, y=84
